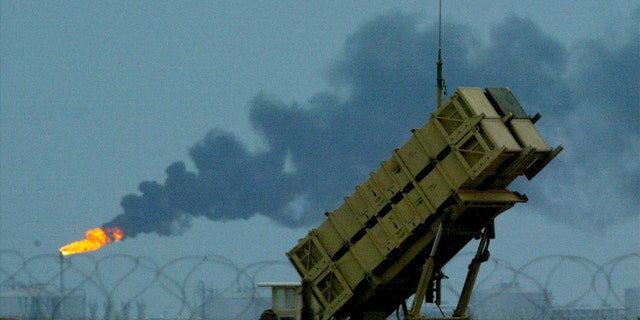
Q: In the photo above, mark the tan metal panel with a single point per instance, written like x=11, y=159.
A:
x=485, y=148
x=383, y=240
x=395, y=226
x=457, y=173
x=390, y=178
x=452, y=115
x=373, y=195
x=369, y=253
x=465, y=108
x=528, y=135
x=476, y=101
x=360, y=207
x=488, y=197
x=331, y=290
x=416, y=199
x=431, y=137
x=351, y=270
x=472, y=205
x=410, y=250
x=414, y=157
x=436, y=188
x=309, y=257
x=345, y=222
x=329, y=238
x=498, y=133
x=408, y=213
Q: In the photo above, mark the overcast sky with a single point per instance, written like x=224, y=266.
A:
x=280, y=108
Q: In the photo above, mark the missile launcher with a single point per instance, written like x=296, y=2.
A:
x=437, y=192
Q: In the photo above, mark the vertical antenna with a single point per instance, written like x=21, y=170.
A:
x=440, y=81
x=62, y=293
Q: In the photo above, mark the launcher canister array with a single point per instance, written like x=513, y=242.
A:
x=367, y=256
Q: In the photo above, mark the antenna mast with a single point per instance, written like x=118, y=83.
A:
x=442, y=88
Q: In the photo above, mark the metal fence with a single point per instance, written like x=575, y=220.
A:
x=214, y=287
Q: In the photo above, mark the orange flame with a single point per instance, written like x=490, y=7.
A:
x=95, y=239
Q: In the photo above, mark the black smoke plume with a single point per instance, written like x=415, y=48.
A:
x=318, y=152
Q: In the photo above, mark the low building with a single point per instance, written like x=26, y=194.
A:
x=41, y=302
x=632, y=303
x=286, y=300
x=589, y=314
x=230, y=304
x=510, y=302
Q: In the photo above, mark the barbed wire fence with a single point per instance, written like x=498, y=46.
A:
x=194, y=287
x=556, y=282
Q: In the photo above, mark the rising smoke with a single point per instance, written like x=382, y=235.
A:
x=318, y=152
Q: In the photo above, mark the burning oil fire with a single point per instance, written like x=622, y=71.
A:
x=94, y=240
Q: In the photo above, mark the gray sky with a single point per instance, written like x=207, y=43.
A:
x=97, y=97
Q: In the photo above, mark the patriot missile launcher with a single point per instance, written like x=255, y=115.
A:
x=443, y=188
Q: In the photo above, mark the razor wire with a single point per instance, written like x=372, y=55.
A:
x=186, y=287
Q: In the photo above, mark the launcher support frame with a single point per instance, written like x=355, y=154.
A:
x=425, y=278
x=482, y=255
